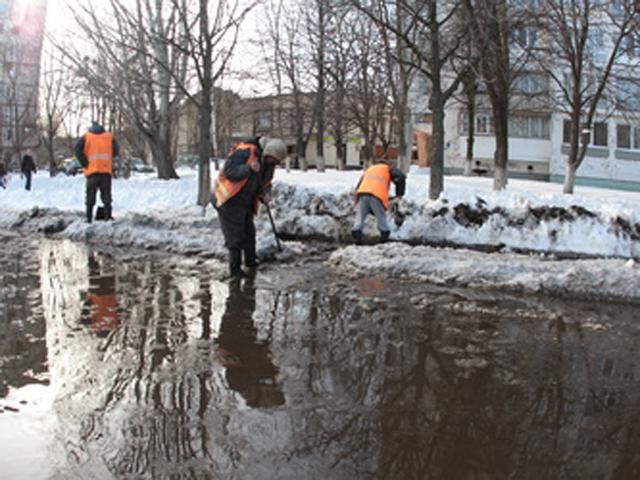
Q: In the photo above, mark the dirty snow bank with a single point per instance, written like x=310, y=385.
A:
x=529, y=216
x=588, y=278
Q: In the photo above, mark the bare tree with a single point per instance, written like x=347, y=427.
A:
x=366, y=78
x=583, y=52
x=208, y=35
x=490, y=23
x=136, y=68
x=431, y=31
x=317, y=20
x=56, y=105
x=289, y=65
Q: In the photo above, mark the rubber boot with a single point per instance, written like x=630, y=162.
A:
x=235, y=263
x=107, y=212
x=357, y=236
x=250, y=260
x=384, y=235
x=89, y=213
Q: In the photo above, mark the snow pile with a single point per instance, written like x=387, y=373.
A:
x=587, y=278
x=529, y=217
x=487, y=220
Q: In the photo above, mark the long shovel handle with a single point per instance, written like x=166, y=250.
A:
x=273, y=227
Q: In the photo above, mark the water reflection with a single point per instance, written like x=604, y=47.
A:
x=381, y=380
x=102, y=311
x=249, y=368
x=23, y=351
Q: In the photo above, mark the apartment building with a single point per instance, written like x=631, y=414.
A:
x=539, y=131
x=22, y=26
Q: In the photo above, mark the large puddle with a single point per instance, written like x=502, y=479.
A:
x=118, y=367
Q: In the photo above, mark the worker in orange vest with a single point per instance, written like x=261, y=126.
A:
x=243, y=181
x=96, y=151
x=372, y=196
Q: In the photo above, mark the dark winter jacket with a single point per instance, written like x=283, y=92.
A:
x=27, y=165
x=79, y=147
x=258, y=183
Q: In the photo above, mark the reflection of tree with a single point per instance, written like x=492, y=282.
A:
x=376, y=387
x=466, y=396
x=23, y=352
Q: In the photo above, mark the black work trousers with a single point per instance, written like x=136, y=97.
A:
x=236, y=221
x=95, y=182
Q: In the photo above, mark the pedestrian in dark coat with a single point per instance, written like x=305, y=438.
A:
x=243, y=182
x=27, y=167
x=96, y=151
x=4, y=175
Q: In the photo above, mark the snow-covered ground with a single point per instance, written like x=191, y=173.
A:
x=526, y=228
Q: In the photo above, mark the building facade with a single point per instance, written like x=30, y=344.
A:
x=22, y=25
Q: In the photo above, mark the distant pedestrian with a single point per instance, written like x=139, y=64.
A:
x=243, y=181
x=4, y=175
x=27, y=167
x=96, y=151
x=372, y=196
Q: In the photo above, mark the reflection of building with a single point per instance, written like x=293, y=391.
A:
x=21, y=34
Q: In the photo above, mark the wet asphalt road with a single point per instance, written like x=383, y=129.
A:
x=115, y=365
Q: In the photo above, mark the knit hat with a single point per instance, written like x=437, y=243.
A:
x=273, y=147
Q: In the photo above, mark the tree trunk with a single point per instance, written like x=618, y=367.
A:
x=569, y=179
x=501, y=154
x=406, y=141
x=471, y=134
x=436, y=174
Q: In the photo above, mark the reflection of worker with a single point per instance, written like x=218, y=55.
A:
x=250, y=370
x=101, y=297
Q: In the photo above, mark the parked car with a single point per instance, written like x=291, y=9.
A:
x=138, y=165
x=71, y=166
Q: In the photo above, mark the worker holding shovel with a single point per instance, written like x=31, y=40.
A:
x=372, y=196
x=243, y=182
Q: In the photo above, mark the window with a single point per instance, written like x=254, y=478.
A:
x=484, y=123
x=623, y=135
x=600, y=133
x=597, y=136
x=596, y=46
x=523, y=126
x=531, y=83
x=628, y=136
x=264, y=119
x=628, y=94
x=566, y=131
x=524, y=37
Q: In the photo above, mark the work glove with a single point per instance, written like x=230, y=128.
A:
x=254, y=165
x=265, y=198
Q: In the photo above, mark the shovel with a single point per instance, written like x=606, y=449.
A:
x=273, y=226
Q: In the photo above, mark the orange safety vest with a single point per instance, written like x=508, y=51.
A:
x=376, y=181
x=98, y=149
x=223, y=188
x=105, y=317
